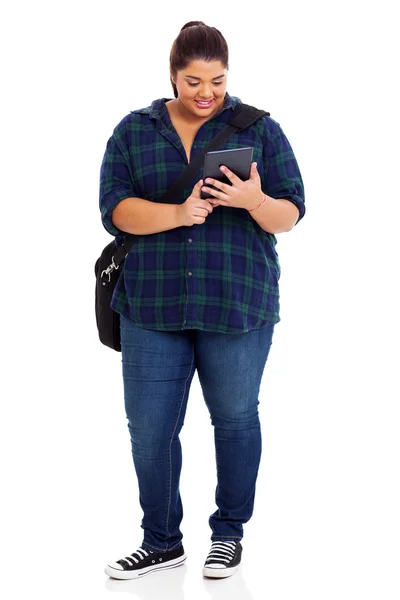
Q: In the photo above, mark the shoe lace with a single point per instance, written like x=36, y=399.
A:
x=141, y=553
x=223, y=551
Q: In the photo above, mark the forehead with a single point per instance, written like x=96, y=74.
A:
x=203, y=69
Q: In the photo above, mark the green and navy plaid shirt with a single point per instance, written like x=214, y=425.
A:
x=221, y=275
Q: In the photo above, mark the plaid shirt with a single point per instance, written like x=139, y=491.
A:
x=221, y=275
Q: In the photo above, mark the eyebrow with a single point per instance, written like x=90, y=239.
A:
x=199, y=79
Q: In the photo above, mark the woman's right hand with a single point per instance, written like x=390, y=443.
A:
x=194, y=210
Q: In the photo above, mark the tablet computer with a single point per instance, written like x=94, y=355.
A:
x=238, y=160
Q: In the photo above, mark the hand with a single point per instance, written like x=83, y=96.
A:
x=194, y=210
x=241, y=194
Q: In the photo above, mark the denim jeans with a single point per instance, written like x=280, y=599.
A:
x=158, y=368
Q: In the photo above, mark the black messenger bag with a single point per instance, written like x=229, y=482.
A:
x=107, y=266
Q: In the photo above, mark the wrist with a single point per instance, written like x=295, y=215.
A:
x=178, y=215
x=260, y=202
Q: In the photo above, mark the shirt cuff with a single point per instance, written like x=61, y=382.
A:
x=297, y=201
x=114, y=198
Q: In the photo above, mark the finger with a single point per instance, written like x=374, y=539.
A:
x=254, y=174
x=218, y=199
x=222, y=187
x=215, y=182
x=231, y=176
x=211, y=191
x=197, y=189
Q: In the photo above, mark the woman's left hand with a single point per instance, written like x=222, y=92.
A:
x=241, y=194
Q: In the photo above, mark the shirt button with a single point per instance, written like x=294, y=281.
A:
x=190, y=273
x=190, y=240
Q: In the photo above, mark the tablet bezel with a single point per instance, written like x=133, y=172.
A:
x=238, y=160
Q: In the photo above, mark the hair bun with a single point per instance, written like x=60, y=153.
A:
x=192, y=24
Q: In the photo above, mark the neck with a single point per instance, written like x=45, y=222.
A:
x=186, y=115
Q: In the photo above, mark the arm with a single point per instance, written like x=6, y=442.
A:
x=276, y=215
x=115, y=181
x=283, y=187
x=141, y=217
x=122, y=211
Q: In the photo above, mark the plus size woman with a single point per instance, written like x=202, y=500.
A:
x=197, y=291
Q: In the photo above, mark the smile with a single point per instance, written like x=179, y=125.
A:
x=201, y=104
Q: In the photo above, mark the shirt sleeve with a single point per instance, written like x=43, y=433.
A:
x=283, y=177
x=116, y=180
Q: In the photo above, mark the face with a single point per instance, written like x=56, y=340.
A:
x=201, y=81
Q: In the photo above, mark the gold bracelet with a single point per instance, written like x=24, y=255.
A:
x=262, y=202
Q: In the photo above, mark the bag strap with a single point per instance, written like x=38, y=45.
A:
x=242, y=117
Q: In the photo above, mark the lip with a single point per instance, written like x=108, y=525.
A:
x=208, y=101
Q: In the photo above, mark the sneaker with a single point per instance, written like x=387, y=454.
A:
x=141, y=562
x=223, y=559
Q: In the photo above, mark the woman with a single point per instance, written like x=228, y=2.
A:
x=199, y=290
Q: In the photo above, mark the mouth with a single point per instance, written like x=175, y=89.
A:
x=205, y=104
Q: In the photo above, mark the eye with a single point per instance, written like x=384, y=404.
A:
x=215, y=83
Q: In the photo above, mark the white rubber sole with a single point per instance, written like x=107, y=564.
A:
x=218, y=572
x=120, y=574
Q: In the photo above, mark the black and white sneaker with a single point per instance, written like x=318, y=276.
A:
x=223, y=559
x=141, y=562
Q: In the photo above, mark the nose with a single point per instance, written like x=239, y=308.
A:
x=206, y=92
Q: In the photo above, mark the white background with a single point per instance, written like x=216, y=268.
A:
x=326, y=519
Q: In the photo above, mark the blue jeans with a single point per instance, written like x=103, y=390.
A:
x=158, y=368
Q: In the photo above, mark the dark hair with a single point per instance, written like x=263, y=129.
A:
x=196, y=41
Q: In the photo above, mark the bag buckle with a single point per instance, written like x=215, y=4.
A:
x=109, y=270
